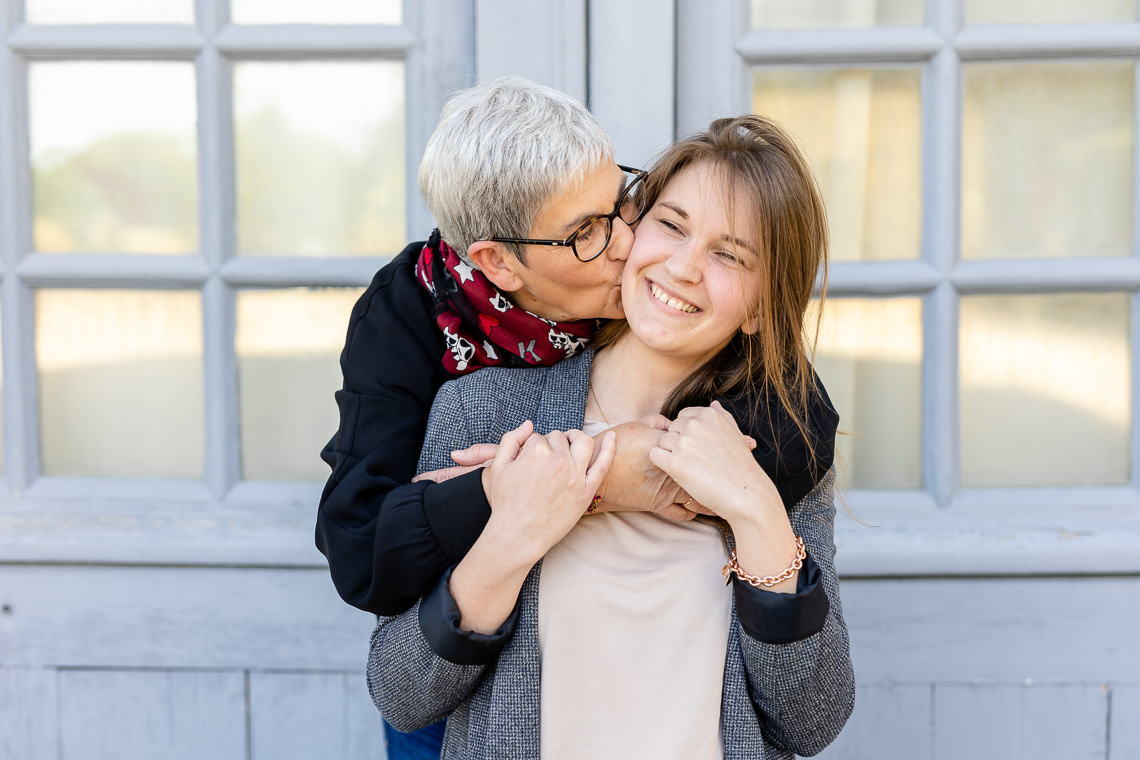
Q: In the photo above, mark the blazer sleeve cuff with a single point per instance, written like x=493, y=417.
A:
x=457, y=510
x=439, y=621
x=783, y=618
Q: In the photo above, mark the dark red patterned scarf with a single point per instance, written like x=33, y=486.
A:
x=484, y=329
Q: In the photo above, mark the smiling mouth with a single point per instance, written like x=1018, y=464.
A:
x=670, y=301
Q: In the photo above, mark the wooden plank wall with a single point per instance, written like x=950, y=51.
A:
x=145, y=662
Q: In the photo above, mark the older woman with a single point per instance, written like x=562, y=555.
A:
x=610, y=634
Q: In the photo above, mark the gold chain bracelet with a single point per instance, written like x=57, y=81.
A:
x=733, y=567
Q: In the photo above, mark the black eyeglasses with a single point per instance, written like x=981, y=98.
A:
x=591, y=238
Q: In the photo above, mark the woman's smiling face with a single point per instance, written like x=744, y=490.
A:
x=693, y=275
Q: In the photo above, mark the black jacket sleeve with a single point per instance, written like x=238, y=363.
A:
x=392, y=370
x=796, y=462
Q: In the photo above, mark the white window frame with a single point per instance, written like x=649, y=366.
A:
x=944, y=528
x=219, y=519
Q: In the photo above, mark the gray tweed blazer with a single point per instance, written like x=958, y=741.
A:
x=778, y=699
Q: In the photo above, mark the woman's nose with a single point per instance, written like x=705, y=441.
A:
x=683, y=263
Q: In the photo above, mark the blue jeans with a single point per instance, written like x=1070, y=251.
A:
x=424, y=744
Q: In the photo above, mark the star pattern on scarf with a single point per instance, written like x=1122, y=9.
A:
x=464, y=270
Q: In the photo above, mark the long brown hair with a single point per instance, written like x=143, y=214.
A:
x=756, y=156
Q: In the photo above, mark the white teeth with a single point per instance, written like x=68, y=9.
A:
x=671, y=302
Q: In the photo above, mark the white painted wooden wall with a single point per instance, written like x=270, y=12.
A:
x=217, y=634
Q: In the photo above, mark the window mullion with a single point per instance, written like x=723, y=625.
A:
x=941, y=183
x=217, y=235
x=1134, y=337
x=149, y=41
x=21, y=390
x=996, y=41
x=846, y=46
x=17, y=307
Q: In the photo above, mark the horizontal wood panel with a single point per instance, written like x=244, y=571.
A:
x=28, y=712
x=141, y=715
x=889, y=721
x=1124, y=723
x=313, y=715
x=1002, y=629
x=170, y=617
x=1020, y=722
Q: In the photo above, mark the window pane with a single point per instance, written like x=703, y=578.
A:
x=308, y=12
x=320, y=158
x=1049, y=11
x=114, y=157
x=120, y=382
x=1046, y=390
x=110, y=11
x=861, y=131
x=869, y=357
x=288, y=343
x=786, y=14
x=1047, y=160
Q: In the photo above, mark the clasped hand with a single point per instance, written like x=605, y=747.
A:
x=540, y=485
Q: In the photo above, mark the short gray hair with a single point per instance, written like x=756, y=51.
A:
x=500, y=151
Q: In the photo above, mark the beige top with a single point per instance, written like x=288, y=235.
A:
x=633, y=621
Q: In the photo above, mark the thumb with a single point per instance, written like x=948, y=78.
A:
x=512, y=441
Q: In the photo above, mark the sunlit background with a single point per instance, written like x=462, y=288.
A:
x=318, y=170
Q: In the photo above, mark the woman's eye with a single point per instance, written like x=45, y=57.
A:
x=729, y=258
x=669, y=225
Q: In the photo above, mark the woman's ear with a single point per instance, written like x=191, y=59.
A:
x=497, y=264
x=751, y=325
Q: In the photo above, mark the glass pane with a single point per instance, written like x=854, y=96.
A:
x=110, y=11
x=1047, y=160
x=788, y=14
x=308, y=12
x=288, y=343
x=114, y=158
x=869, y=357
x=1049, y=11
x=120, y=382
x=320, y=158
x=1046, y=390
x=861, y=131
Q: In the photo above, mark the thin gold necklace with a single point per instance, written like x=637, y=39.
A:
x=594, y=395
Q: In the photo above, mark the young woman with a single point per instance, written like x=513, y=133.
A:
x=564, y=634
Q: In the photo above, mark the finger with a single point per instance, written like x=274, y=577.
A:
x=676, y=513
x=575, y=435
x=689, y=411
x=656, y=421
x=700, y=509
x=477, y=454
x=581, y=448
x=661, y=458
x=669, y=441
x=597, y=471
x=512, y=442
x=447, y=473
x=557, y=441
x=716, y=406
